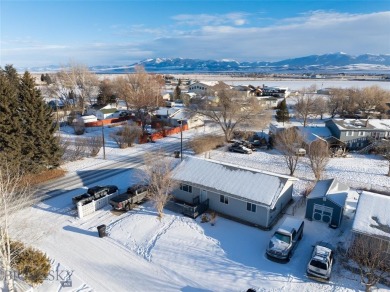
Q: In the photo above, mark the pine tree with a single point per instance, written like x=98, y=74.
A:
x=282, y=114
x=10, y=123
x=40, y=147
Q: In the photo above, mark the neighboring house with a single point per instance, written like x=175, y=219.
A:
x=326, y=202
x=356, y=134
x=245, y=194
x=191, y=119
x=173, y=116
x=372, y=218
x=268, y=102
x=206, y=87
x=311, y=134
x=102, y=112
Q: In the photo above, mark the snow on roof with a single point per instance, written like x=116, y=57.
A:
x=331, y=189
x=163, y=111
x=209, y=83
x=313, y=133
x=373, y=215
x=252, y=184
x=346, y=124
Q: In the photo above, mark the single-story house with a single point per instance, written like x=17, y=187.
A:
x=326, y=202
x=246, y=194
x=102, y=111
x=356, y=133
x=372, y=218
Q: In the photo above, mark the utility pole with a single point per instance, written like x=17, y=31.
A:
x=181, y=139
x=104, y=146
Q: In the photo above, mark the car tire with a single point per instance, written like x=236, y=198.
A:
x=127, y=207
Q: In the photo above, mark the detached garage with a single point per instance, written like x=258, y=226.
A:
x=326, y=202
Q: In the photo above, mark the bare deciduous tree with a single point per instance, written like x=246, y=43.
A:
x=382, y=147
x=319, y=157
x=230, y=111
x=15, y=194
x=75, y=85
x=126, y=136
x=141, y=91
x=369, y=254
x=335, y=101
x=305, y=104
x=94, y=145
x=158, y=175
x=288, y=142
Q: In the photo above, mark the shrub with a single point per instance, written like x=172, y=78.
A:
x=30, y=263
x=205, y=143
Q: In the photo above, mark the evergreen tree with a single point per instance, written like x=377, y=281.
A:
x=177, y=92
x=40, y=148
x=10, y=123
x=42, y=77
x=282, y=114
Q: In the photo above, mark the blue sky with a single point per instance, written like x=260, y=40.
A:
x=40, y=33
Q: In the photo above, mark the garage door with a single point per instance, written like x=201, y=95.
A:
x=322, y=213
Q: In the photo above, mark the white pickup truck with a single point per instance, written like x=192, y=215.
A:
x=285, y=238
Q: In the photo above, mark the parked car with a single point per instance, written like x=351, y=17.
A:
x=285, y=238
x=135, y=194
x=320, y=265
x=95, y=193
x=239, y=148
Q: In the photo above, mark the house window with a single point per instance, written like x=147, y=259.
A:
x=361, y=133
x=348, y=133
x=224, y=199
x=251, y=207
x=186, y=188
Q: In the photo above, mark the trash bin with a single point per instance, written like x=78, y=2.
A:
x=177, y=154
x=102, y=230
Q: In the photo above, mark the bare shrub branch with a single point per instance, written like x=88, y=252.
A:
x=288, y=142
x=158, y=175
x=205, y=143
x=319, y=157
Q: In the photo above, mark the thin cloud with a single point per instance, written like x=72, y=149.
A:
x=237, y=19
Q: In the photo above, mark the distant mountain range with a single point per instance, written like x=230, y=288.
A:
x=314, y=63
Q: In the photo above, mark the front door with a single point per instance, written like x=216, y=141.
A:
x=203, y=195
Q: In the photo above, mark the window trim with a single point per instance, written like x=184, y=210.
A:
x=224, y=199
x=251, y=207
x=186, y=188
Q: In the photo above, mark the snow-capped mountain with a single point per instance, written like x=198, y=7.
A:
x=318, y=63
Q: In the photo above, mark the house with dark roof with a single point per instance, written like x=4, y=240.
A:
x=357, y=133
x=326, y=202
x=246, y=194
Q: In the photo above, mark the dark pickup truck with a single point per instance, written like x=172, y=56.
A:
x=134, y=195
x=94, y=193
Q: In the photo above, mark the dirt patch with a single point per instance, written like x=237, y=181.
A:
x=45, y=176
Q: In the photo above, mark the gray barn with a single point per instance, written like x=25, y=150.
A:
x=326, y=202
x=250, y=195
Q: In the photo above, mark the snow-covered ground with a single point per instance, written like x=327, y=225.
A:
x=177, y=253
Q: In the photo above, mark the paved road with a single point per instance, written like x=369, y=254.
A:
x=104, y=170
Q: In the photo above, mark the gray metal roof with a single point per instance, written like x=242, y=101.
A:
x=247, y=183
x=331, y=189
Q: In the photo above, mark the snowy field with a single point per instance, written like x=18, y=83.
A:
x=177, y=253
